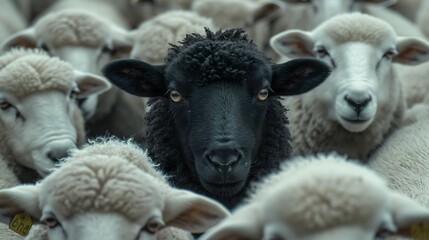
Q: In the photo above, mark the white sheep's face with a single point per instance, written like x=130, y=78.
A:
x=40, y=128
x=362, y=80
x=358, y=83
x=117, y=202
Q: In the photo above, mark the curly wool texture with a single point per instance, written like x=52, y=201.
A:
x=27, y=71
x=153, y=37
x=104, y=184
x=125, y=149
x=220, y=56
x=162, y=141
x=72, y=27
x=325, y=191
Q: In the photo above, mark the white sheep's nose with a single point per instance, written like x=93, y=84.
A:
x=58, y=150
x=358, y=99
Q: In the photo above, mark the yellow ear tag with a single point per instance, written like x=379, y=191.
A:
x=21, y=223
x=420, y=231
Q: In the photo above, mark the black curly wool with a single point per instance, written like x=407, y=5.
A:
x=216, y=57
x=163, y=144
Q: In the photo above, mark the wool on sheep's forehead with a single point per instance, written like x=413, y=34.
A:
x=327, y=194
x=72, y=28
x=102, y=184
x=356, y=27
x=26, y=71
x=124, y=149
x=219, y=56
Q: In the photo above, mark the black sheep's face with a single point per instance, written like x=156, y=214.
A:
x=218, y=123
x=219, y=126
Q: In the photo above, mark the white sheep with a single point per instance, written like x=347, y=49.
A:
x=88, y=42
x=152, y=38
x=324, y=198
x=403, y=158
x=11, y=20
x=98, y=193
x=39, y=119
x=362, y=101
x=253, y=15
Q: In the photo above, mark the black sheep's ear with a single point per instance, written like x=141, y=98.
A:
x=298, y=76
x=136, y=77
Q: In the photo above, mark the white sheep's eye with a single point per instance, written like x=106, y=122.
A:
x=154, y=225
x=390, y=54
x=74, y=93
x=321, y=52
x=176, y=96
x=5, y=105
x=51, y=222
x=263, y=94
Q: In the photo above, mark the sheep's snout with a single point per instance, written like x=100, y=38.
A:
x=358, y=104
x=57, y=150
x=356, y=107
x=224, y=159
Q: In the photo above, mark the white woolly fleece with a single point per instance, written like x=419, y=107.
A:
x=72, y=27
x=324, y=191
x=25, y=71
x=104, y=184
x=403, y=158
x=125, y=149
x=152, y=38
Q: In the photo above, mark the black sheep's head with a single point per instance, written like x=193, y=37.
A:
x=219, y=91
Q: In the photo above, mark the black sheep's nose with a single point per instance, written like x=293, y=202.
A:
x=224, y=159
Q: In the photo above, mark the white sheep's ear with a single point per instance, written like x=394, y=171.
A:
x=293, y=43
x=383, y=3
x=20, y=199
x=266, y=10
x=408, y=216
x=411, y=51
x=90, y=84
x=244, y=224
x=25, y=38
x=192, y=212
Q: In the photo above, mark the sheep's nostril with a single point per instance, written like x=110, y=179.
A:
x=224, y=160
x=358, y=105
x=57, y=154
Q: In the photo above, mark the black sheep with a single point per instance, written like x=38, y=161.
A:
x=216, y=122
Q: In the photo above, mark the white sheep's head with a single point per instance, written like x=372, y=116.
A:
x=326, y=198
x=80, y=38
x=321, y=10
x=102, y=197
x=39, y=120
x=361, y=51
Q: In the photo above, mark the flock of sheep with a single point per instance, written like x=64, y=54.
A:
x=166, y=119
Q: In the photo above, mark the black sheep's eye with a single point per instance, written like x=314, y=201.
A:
x=5, y=105
x=51, y=222
x=176, y=96
x=262, y=94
